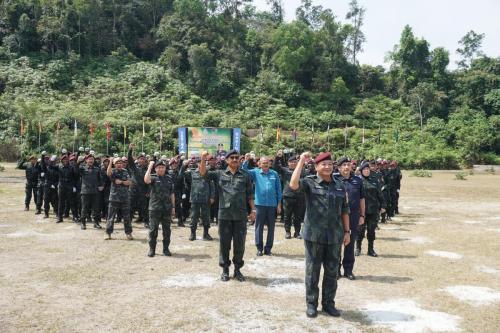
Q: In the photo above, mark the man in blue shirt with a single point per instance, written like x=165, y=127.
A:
x=267, y=202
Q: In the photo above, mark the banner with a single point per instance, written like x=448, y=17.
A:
x=236, y=139
x=181, y=131
x=210, y=139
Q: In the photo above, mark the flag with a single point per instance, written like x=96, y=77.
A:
x=39, y=127
x=76, y=129
x=363, y=137
x=143, y=129
x=22, y=127
x=108, y=131
x=91, y=129
x=124, y=131
x=294, y=134
x=278, y=134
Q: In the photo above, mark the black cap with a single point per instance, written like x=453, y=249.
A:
x=161, y=162
x=364, y=165
x=232, y=152
x=292, y=158
x=343, y=160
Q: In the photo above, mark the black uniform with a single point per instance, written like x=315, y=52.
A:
x=160, y=210
x=32, y=176
x=51, y=179
x=138, y=189
x=66, y=189
x=91, y=181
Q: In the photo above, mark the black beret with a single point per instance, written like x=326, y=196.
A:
x=323, y=157
x=161, y=162
x=343, y=160
x=232, y=152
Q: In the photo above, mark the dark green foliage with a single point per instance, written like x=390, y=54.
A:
x=222, y=63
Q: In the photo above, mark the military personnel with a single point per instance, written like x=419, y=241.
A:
x=32, y=169
x=214, y=207
x=66, y=187
x=374, y=205
x=326, y=228
x=393, y=179
x=51, y=180
x=398, y=176
x=119, y=198
x=138, y=189
x=178, y=186
x=201, y=196
x=293, y=201
x=235, y=192
x=161, y=205
x=356, y=200
x=91, y=185
x=104, y=194
x=386, y=191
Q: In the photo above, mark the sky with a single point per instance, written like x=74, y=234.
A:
x=441, y=22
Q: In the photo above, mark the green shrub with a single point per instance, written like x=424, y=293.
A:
x=461, y=175
x=421, y=173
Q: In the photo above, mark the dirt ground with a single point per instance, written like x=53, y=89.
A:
x=438, y=270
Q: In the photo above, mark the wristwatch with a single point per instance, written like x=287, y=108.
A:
x=347, y=232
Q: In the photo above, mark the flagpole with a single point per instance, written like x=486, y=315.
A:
x=39, y=135
x=345, y=138
x=143, y=134
x=328, y=137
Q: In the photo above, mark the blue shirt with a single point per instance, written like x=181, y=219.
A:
x=355, y=191
x=267, y=186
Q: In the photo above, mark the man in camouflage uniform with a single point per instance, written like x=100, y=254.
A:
x=33, y=171
x=161, y=205
x=201, y=197
x=119, y=198
x=326, y=228
x=91, y=185
x=139, y=190
x=235, y=192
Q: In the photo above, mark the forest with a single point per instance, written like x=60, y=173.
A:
x=143, y=68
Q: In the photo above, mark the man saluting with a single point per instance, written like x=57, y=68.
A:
x=326, y=227
x=235, y=191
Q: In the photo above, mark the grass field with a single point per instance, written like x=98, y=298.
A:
x=438, y=270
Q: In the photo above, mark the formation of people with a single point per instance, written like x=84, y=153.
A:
x=328, y=203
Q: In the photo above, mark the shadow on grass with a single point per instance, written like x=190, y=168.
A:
x=397, y=256
x=384, y=279
x=266, y=282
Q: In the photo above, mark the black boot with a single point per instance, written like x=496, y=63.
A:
x=59, y=220
x=371, y=251
x=97, y=225
x=46, y=216
x=38, y=211
x=238, y=276
x=192, y=237
x=26, y=208
x=288, y=235
x=166, y=252
x=83, y=226
x=225, y=274
x=311, y=311
x=357, y=251
x=151, y=252
x=206, y=235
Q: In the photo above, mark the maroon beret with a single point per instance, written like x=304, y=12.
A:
x=323, y=157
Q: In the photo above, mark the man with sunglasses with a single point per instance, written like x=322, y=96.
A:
x=326, y=228
x=235, y=191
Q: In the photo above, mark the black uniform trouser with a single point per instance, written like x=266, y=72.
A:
x=349, y=258
x=66, y=201
x=200, y=210
x=370, y=225
x=294, y=208
x=157, y=217
x=393, y=199
x=49, y=198
x=124, y=208
x=214, y=209
x=186, y=206
x=90, y=205
x=104, y=203
x=31, y=190
x=234, y=231
x=387, y=198
x=139, y=202
x=318, y=255
x=40, y=197
x=178, y=206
